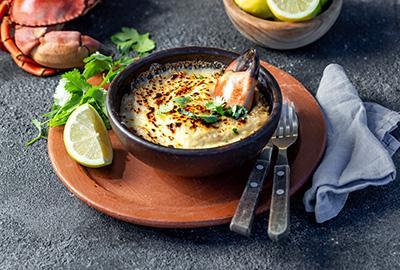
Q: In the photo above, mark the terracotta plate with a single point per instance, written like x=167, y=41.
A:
x=132, y=191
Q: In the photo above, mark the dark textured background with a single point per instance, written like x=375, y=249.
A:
x=42, y=225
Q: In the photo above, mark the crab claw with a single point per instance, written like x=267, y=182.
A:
x=64, y=49
x=56, y=49
x=236, y=86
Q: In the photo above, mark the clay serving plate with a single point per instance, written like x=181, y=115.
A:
x=132, y=191
x=282, y=35
x=191, y=162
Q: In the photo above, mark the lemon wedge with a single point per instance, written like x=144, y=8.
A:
x=86, y=138
x=294, y=10
x=258, y=8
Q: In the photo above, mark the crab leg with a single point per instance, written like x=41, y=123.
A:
x=3, y=11
x=23, y=61
x=34, y=69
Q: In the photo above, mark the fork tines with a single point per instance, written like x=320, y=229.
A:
x=288, y=122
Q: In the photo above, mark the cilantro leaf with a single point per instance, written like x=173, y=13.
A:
x=216, y=106
x=41, y=134
x=130, y=40
x=183, y=101
x=123, y=61
x=125, y=39
x=60, y=116
x=235, y=131
x=101, y=109
x=97, y=63
x=81, y=92
x=209, y=119
x=126, y=34
x=117, y=67
x=97, y=93
x=187, y=113
x=76, y=83
x=237, y=112
x=145, y=44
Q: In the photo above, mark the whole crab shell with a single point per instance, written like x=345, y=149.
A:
x=44, y=12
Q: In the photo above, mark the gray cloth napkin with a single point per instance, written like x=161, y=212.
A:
x=359, y=148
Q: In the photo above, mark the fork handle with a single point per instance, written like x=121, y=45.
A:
x=278, y=225
x=242, y=221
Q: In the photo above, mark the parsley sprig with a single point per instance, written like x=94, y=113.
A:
x=129, y=39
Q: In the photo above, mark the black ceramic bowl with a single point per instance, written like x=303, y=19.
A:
x=191, y=162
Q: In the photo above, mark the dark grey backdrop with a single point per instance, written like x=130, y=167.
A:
x=42, y=225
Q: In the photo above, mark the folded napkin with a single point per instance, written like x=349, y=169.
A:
x=359, y=148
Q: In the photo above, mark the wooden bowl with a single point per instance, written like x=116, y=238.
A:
x=282, y=35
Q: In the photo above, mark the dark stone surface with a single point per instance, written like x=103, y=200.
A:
x=42, y=225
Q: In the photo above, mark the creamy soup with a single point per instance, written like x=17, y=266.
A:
x=172, y=105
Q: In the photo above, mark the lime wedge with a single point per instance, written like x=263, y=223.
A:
x=258, y=8
x=86, y=138
x=294, y=10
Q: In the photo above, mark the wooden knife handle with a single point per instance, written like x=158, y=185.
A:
x=243, y=219
x=278, y=226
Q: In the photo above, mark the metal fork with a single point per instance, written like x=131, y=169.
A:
x=285, y=135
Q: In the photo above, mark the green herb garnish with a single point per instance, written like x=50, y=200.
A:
x=74, y=90
x=235, y=131
x=237, y=112
x=80, y=92
x=216, y=106
x=41, y=134
x=97, y=63
x=183, y=101
x=209, y=119
x=187, y=113
x=130, y=40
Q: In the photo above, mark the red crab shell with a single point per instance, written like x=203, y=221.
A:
x=31, y=31
x=48, y=12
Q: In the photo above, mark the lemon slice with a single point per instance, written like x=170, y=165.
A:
x=258, y=8
x=294, y=10
x=86, y=138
